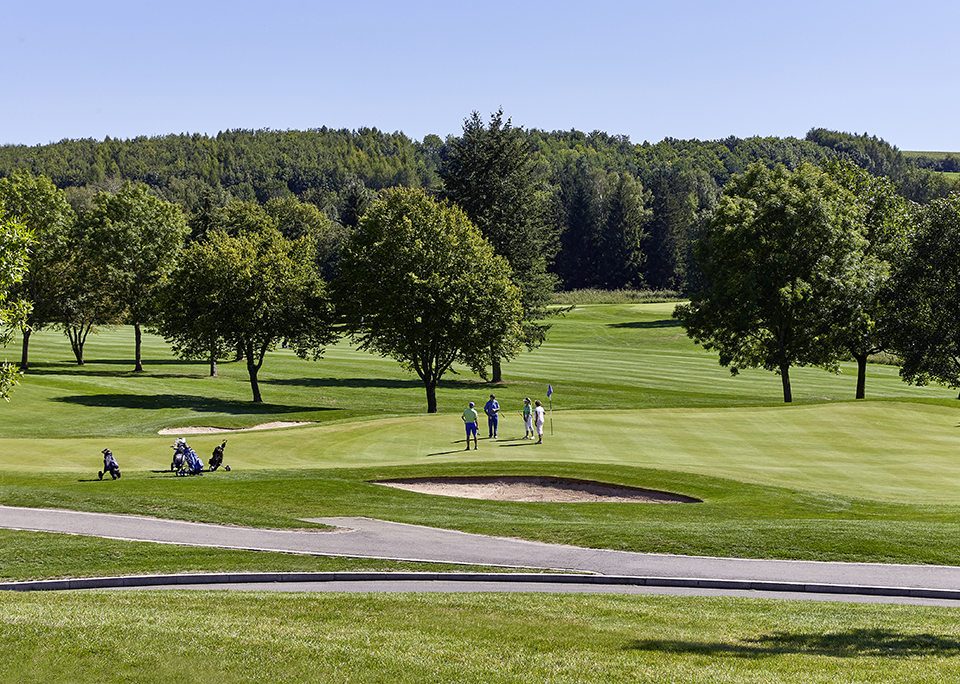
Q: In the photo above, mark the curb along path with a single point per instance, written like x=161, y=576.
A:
x=368, y=538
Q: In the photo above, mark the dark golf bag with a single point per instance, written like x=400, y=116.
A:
x=110, y=465
x=216, y=460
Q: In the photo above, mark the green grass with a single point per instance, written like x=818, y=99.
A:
x=635, y=403
x=244, y=637
x=932, y=155
x=39, y=555
x=628, y=356
x=594, y=296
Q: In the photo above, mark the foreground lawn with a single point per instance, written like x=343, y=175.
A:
x=243, y=637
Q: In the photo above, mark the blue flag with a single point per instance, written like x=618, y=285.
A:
x=549, y=389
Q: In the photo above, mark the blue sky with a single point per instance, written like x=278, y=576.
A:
x=650, y=70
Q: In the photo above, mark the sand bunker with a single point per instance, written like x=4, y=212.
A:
x=533, y=489
x=211, y=430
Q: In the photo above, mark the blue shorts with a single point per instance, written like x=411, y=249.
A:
x=471, y=429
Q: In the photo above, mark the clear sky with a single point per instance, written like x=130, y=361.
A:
x=649, y=70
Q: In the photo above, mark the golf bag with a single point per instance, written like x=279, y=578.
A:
x=179, y=456
x=110, y=465
x=216, y=460
x=194, y=464
x=185, y=459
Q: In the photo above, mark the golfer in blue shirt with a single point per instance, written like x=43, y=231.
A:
x=492, y=409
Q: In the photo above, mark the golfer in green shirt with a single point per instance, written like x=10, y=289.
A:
x=471, y=419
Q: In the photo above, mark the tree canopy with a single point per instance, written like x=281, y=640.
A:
x=927, y=305
x=338, y=170
x=863, y=319
x=420, y=284
x=15, y=241
x=491, y=174
x=43, y=209
x=137, y=236
x=249, y=292
x=774, y=255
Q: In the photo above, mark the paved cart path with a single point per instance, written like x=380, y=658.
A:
x=368, y=538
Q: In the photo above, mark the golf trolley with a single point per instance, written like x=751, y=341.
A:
x=216, y=460
x=110, y=465
x=185, y=460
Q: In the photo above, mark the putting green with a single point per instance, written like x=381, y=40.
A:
x=903, y=452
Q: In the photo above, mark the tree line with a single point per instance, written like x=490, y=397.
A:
x=428, y=280
x=793, y=252
x=665, y=192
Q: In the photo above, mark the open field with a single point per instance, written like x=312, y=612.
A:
x=635, y=403
x=932, y=155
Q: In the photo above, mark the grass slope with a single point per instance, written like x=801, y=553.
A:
x=636, y=403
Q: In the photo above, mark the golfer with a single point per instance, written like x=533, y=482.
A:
x=538, y=417
x=471, y=419
x=527, y=419
x=492, y=409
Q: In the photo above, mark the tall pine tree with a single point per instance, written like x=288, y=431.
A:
x=490, y=173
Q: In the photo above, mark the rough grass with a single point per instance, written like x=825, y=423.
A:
x=245, y=637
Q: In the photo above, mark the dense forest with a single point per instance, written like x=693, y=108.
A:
x=626, y=214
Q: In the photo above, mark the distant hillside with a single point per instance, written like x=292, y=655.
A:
x=337, y=170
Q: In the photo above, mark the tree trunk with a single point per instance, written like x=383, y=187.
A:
x=77, y=338
x=253, y=368
x=24, y=355
x=496, y=374
x=213, y=365
x=138, y=336
x=431, y=396
x=861, y=375
x=785, y=379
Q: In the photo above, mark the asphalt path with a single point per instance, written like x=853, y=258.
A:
x=603, y=569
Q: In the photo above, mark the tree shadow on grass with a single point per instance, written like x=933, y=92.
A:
x=367, y=383
x=850, y=644
x=91, y=368
x=666, y=323
x=197, y=404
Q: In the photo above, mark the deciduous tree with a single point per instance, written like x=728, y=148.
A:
x=774, y=256
x=927, y=304
x=250, y=291
x=419, y=284
x=43, y=209
x=137, y=236
x=15, y=241
x=864, y=318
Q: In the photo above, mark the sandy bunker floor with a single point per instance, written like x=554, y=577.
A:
x=211, y=430
x=533, y=489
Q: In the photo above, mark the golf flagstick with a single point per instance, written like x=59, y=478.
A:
x=549, y=398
